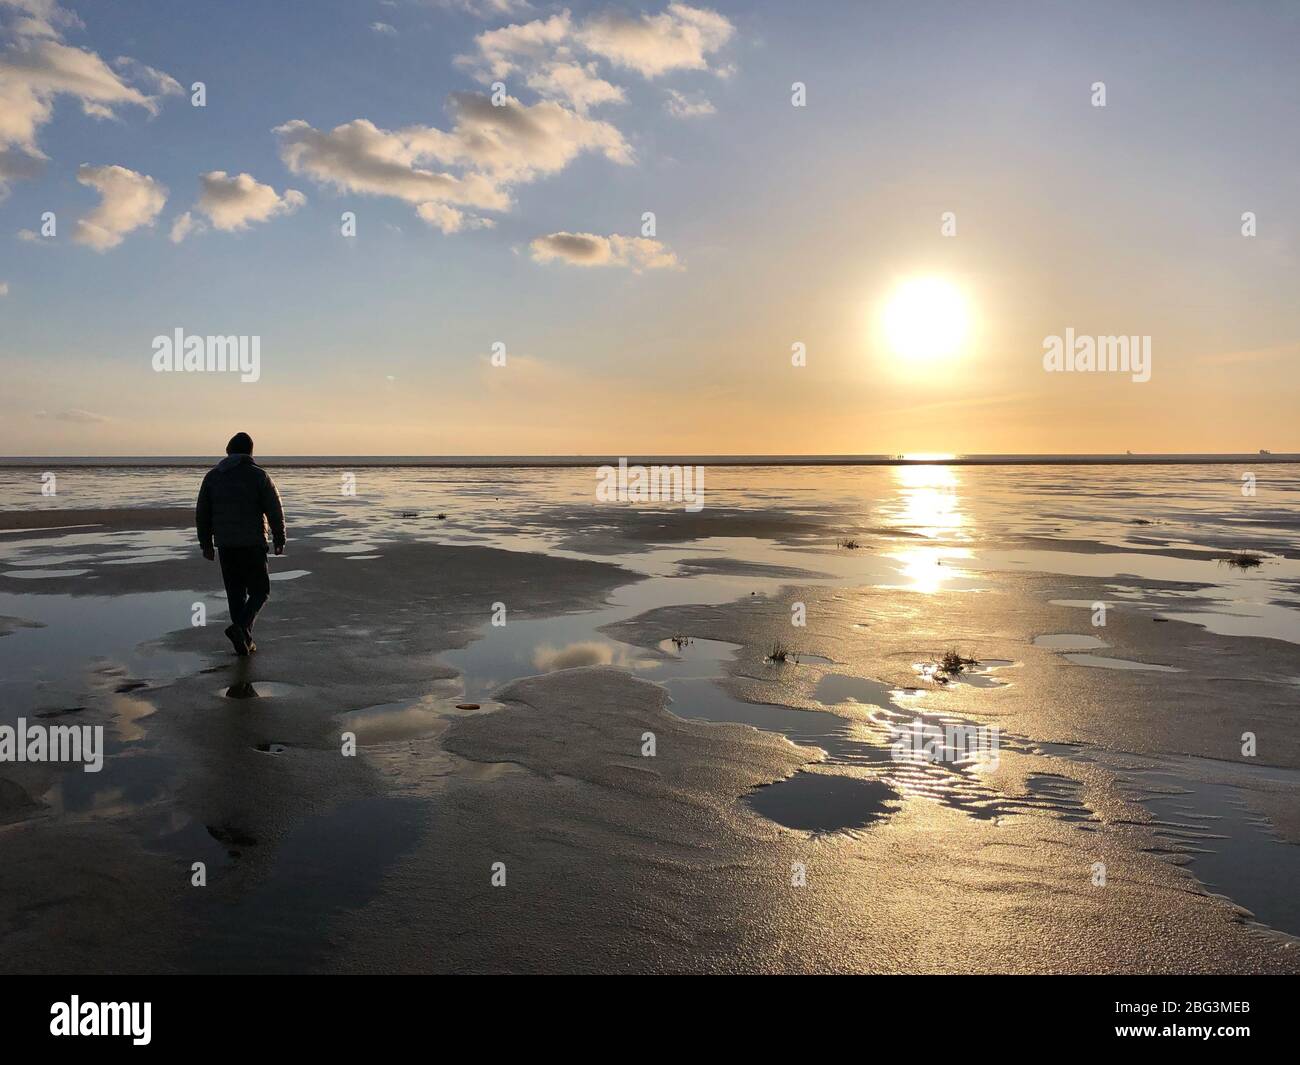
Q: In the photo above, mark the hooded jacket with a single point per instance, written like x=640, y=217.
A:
x=237, y=501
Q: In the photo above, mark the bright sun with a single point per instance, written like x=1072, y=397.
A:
x=925, y=319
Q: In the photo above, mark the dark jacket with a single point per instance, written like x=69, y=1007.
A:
x=236, y=503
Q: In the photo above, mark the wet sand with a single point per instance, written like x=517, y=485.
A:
x=615, y=861
x=70, y=518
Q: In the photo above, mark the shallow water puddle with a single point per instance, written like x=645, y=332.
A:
x=841, y=688
x=1233, y=849
x=1068, y=641
x=132, y=778
x=1100, y=662
x=898, y=738
x=47, y=562
x=40, y=558
x=38, y=574
x=388, y=722
x=334, y=861
x=1202, y=816
x=821, y=802
x=691, y=668
x=120, y=631
x=1239, y=602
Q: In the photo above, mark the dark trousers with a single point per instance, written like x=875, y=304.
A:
x=248, y=583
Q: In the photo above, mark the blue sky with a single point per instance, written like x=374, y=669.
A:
x=775, y=224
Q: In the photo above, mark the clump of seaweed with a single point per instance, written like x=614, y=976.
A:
x=953, y=664
x=779, y=653
x=848, y=543
x=681, y=640
x=1242, y=560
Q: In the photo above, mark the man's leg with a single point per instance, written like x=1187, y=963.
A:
x=257, y=579
x=233, y=576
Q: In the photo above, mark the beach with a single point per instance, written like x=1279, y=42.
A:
x=497, y=725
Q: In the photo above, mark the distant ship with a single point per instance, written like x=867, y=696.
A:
x=1263, y=452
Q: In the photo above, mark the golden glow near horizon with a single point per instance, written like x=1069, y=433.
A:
x=926, y=319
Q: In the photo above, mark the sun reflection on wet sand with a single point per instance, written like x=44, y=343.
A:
x=929, y=569
x=928, y=501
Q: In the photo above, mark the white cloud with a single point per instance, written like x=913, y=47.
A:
x=589, y=249
x=35, y=71
x=162, y=84
x=383, y=28
x=37, y=66
x=128, y=200
x=40, y=18
x=679, y=105
x=4, y=288
x=16, y=165
x=74, y=414
x=487, y=8
x=516, y=142
x=360, y=157
x=473, y=164
x=449, y=219
x=183, y=225
x=500, y=50
x=680, y=38
x=233, y=203
x=580, y=85
x=559, y=58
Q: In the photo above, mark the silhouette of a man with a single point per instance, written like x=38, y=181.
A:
x=237, y=501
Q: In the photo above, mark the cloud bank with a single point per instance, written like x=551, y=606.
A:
x=474, y=164
x=496, y=141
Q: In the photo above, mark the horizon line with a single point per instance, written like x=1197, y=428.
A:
x=579, y=461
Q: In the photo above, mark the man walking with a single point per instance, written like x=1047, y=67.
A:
x=237, y=501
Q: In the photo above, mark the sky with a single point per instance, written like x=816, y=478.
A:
x=498, y=160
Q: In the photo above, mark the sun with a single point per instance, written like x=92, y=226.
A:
x=926, y=319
